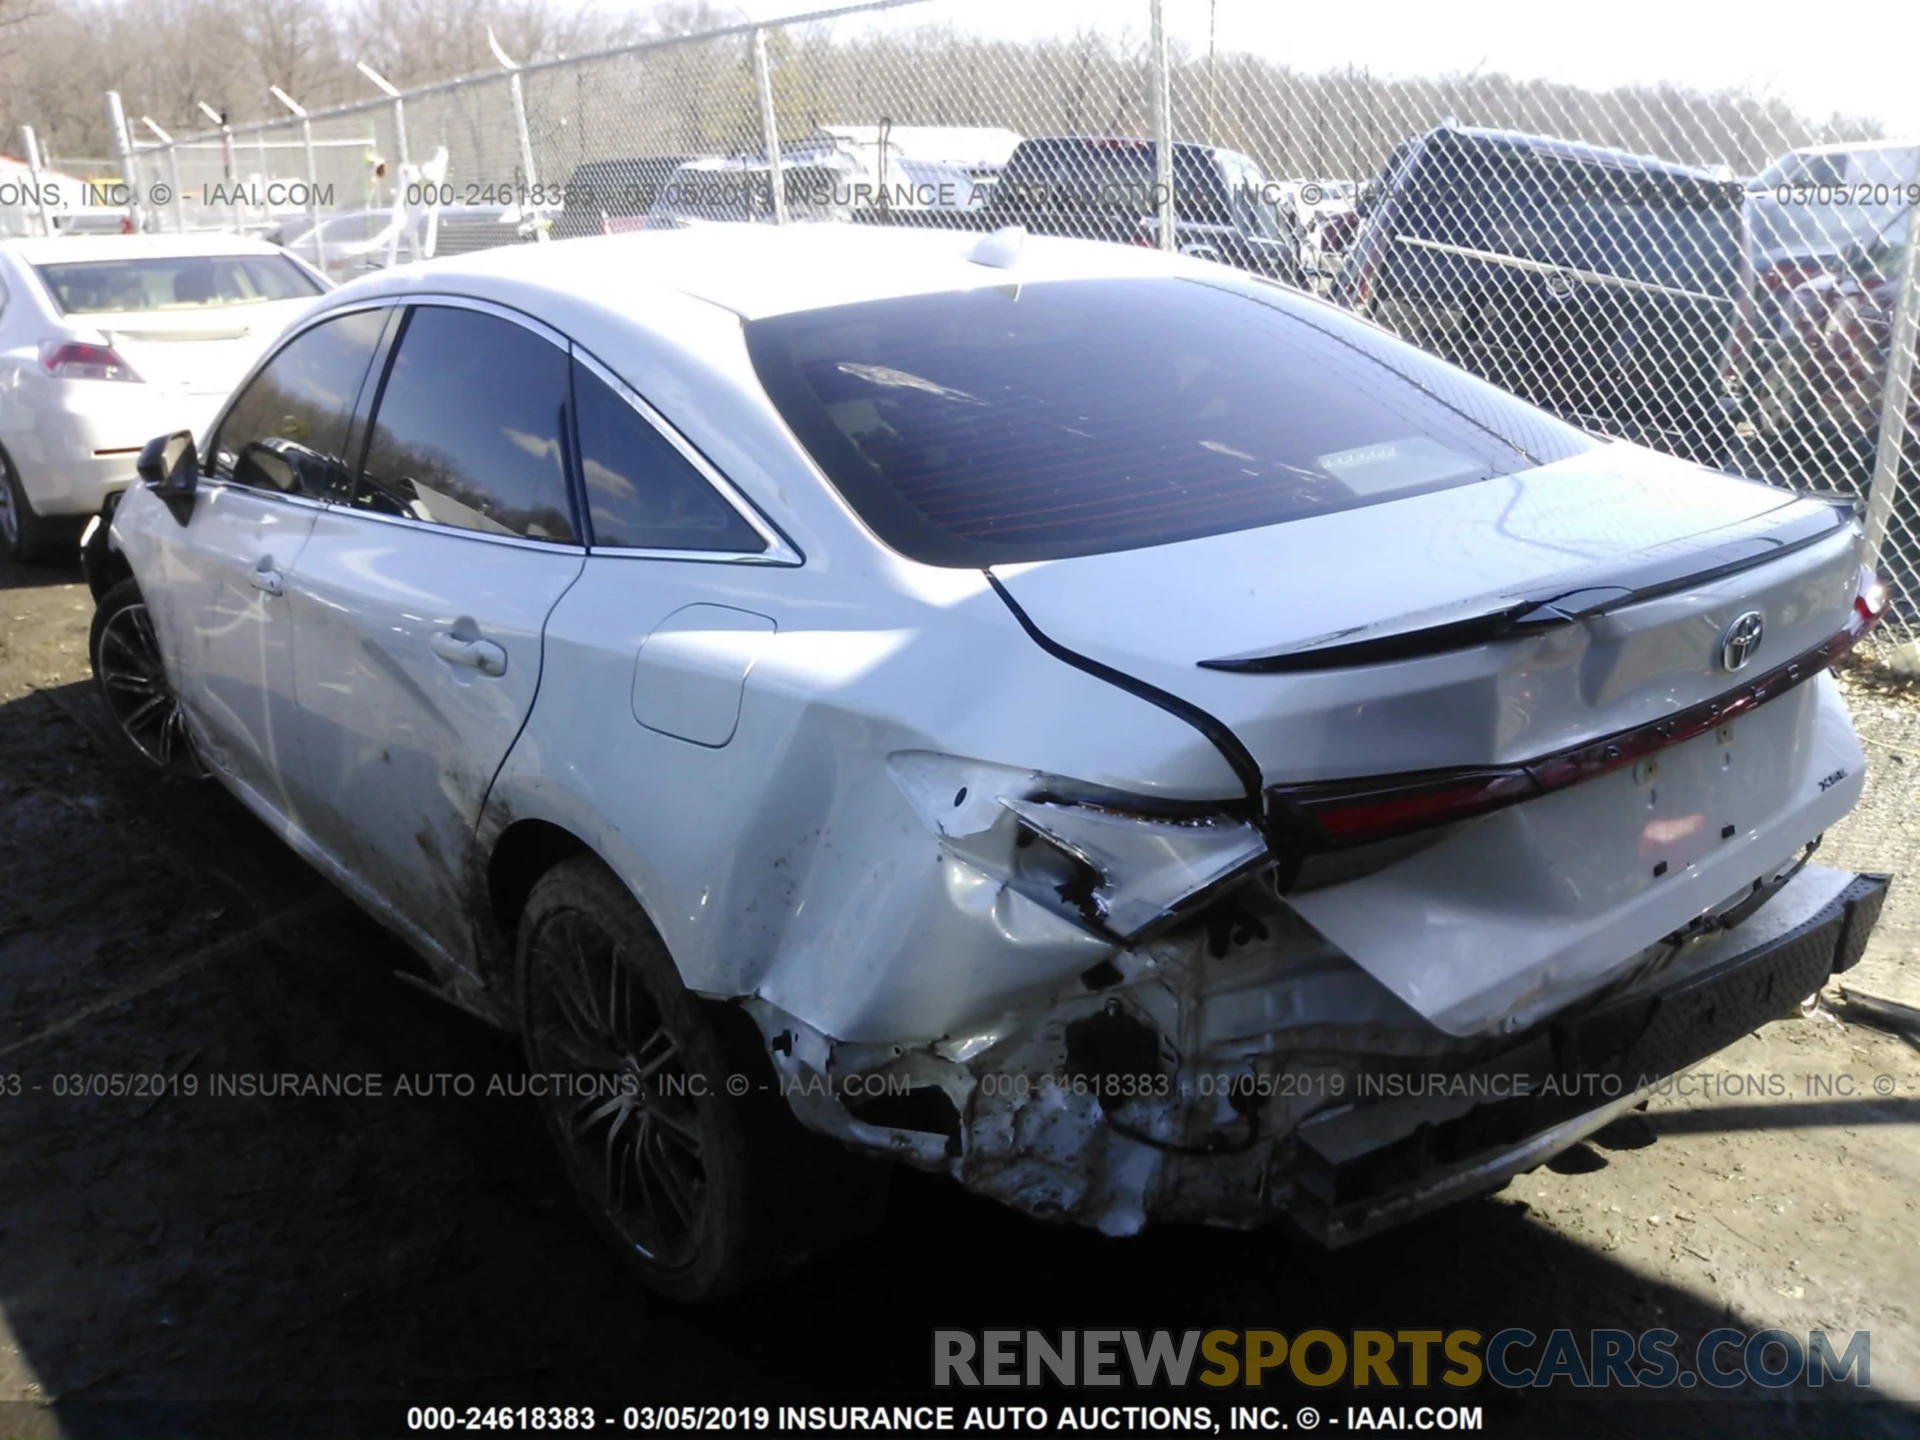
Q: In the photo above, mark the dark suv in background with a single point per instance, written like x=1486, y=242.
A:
x=607, y=196
x=1102, y=188
x=1608, y=287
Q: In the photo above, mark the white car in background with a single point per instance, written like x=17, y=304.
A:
x=105, y=340
x=1101, y=726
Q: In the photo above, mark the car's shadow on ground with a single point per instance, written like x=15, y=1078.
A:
x=64, y=570
x=181, y=1245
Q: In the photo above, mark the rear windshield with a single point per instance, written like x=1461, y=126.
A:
x=1639, y=222
x=1029, y=422
x=186, y=282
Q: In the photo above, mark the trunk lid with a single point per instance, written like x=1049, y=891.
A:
x=201, y=353
x=1590, y=531
x=1505, y=918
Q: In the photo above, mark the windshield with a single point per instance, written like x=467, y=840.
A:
x=182, y=282
x=1029, y=422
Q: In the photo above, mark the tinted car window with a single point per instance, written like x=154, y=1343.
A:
x=1072, y=417
x=183, y=282
x=468, y=428
x=641, y=491
x=300, y=407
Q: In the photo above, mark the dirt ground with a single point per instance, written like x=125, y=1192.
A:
x=317, y=1252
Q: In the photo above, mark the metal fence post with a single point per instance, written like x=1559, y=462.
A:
x=769, y=127
x=313, y=176
x=1896, y=397
x=173, y=172
x=519, y=97
x=392, y=92
x=1162, y=129
x=123, y=152
x=226, y=162
x=31, y=144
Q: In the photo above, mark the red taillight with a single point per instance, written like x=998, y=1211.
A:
x=1355, y=819
x=77, y=360
x=1340, y=814
x=1363, y=283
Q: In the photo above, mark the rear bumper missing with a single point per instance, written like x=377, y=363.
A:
x=1365, y=1170
x=1277, y=1080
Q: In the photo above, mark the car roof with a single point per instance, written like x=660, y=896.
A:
x=44, y=250
x=1850, y=147
x=760, y=270
x=1115, y=142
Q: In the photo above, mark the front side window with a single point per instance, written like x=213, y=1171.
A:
x=182, y=282
x=641, y=491
x=468, y=428
x=1031, y=422
x=299, y=409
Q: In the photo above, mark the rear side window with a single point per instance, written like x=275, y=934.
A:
x=468, y=428
x=642, y=493
x=1029, y=422
x=300, y=407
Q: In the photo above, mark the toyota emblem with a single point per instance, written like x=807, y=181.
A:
x=1741, y=640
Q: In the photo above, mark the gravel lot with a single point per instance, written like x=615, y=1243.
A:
x=408, y=1249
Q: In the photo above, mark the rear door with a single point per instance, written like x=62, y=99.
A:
x=216, y=586
x=419, y=602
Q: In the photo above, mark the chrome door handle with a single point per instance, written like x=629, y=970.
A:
x=264, y=577
x=482, y=655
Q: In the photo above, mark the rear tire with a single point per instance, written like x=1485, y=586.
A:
x=132, y=683
x=28, y=537
x=700, y=1188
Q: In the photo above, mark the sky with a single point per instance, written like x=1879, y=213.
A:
x=1859, y=58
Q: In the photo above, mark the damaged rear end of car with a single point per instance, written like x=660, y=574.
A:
x=1527, y=742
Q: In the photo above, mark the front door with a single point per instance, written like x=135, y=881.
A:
x=216, y=587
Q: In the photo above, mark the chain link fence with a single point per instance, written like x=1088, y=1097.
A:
x=1711, y=274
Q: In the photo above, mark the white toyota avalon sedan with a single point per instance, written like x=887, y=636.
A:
x=106, y=339
x=1097, y=725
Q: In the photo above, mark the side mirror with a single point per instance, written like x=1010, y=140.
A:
x=288, y=467
x=170, y=466
x=264, y=468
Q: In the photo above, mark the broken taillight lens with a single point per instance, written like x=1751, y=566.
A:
x=1871, y=601
x=1145, y=869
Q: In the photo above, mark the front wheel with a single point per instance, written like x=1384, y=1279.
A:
x=133, y=684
